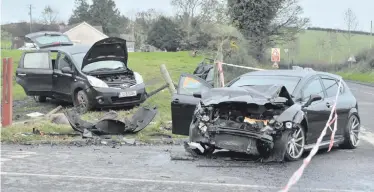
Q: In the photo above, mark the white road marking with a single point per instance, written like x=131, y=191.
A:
x=126, y=180
x=366, y=135
x=370, y=93
x=9, y=155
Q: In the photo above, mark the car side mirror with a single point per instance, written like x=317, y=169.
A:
x=197, y=95
x=312, y=99
x=67, y=70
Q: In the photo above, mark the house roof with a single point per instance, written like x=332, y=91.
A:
x=128, y=37
x=69, y=27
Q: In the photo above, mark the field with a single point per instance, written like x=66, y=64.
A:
x=5, y=44
x=308, y=48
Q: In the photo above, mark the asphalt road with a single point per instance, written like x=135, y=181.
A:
x=150, y=168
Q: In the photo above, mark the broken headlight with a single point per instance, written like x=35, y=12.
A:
x=138, y=78
x=95, y=82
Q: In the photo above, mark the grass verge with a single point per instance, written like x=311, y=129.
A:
x=362, y=77
x=22, y=132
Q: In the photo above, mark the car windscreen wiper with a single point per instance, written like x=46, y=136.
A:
x=107, y=69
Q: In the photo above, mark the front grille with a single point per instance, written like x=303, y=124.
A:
x=119, y=85
x=117, y=100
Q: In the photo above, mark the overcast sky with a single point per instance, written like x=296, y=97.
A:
x=323, y=13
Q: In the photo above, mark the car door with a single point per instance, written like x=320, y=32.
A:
x=343, y=104
x=34, y=73
x=317, y=113
x=184, y=103
x=62, y=81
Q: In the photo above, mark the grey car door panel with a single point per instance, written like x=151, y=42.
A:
x=184, y=103
x=318, y=112
x=34, y=73
x=62, y=81
x=331, y=86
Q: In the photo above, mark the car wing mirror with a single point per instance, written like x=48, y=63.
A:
x=197, y=94
x=67, y=70
x=312, y=99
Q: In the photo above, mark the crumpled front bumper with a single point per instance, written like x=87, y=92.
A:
x=110, y=124
x=232, y=139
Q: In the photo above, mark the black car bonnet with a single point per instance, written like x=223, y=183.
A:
x=259, y=94
x=111, y=48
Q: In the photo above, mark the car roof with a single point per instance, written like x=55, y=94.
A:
x=301, y=73
x=41, y=33
x=71, y=49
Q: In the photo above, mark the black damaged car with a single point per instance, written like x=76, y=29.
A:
x=277, y=114
x=90, y=77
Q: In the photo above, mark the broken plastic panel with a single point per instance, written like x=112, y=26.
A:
x=109, y=124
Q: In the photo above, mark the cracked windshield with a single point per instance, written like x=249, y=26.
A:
x=187, y=95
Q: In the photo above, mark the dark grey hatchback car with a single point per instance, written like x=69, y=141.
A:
x=275, y=113
x=88, y=76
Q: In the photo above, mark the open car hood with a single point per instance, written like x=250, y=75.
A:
x=259, y=94
x=112, y=48
x=44, y=39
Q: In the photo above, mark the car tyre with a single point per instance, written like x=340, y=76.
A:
x=351, y=132
x=40, y=99
x=295, y=144
x=82, y=102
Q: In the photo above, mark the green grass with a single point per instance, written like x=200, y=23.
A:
x=20, y=133
x=5, y=44
x=18, y=91
x=309, y=50
x=363, y=77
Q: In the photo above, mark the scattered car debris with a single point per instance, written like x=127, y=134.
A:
x=59, y=119
x=35, y=114
x=109, y=124
x=128, y=141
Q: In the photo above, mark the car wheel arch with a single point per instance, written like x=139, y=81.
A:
x=75, y=92
x=354, y=111
x=304, y=124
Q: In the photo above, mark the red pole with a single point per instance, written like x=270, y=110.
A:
x=7, y=92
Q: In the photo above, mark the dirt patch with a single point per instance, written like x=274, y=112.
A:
x=28, y=105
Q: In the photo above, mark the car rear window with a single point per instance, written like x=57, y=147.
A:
x=51, y=39
x=289, y=82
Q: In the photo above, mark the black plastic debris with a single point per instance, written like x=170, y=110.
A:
x=109, y=124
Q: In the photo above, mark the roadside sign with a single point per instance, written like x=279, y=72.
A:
x=352, y=59
x=275, y=55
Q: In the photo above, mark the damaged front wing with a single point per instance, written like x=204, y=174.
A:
x=109, y=124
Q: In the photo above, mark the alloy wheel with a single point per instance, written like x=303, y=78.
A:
x=354, y=130
x=81, y=100
x=295, y=145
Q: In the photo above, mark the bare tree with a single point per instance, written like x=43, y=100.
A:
x=287, y=23
x=142, y=24
x=351, y=22
x=187, y=10
x=49, y=15
x=333, y=43
x=214, y=11
x=321, y=45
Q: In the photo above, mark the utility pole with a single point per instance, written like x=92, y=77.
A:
x=30, y=14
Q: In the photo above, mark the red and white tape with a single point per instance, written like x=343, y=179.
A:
x=220, y=70
x=297, y=175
